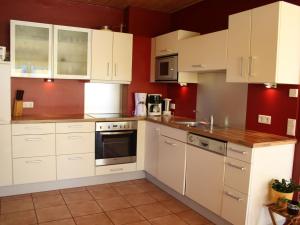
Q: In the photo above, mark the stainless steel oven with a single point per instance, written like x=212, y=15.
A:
x=166, y=68
x=115, y=142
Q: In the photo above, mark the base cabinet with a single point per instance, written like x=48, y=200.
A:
x=5, y=155
x=204, y=178
x=171, y=163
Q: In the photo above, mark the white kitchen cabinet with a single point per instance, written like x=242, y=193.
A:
x=75, y=127
x=75, y=166
x=112, y=56
x=119, y=168
x=203, y=53
x=171, y=163
x=33, y=128
x=5, y=93
x=31, y=49
x=151, y=147
x=263, y=45
x=205, y=178
x=72, y=53
x=35, y=169
x=5, y=155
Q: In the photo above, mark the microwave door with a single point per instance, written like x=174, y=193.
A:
x=166, y=69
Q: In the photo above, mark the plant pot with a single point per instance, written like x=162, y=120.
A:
x=293, y=208
x=275, y=195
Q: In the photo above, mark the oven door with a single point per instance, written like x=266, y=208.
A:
x=115, y=147
x=166, y=69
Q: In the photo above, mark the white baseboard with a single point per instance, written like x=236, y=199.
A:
x=61, y=184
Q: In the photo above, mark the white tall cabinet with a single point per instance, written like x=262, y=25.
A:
x=5, y=155
x=263, y=45
x=31, y=49
x=111, y=56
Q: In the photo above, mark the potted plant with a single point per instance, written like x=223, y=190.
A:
x=283, y=189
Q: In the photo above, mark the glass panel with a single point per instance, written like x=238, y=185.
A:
x=164, y=69
x=31, y=50
x=118, y=146
x=72, y=51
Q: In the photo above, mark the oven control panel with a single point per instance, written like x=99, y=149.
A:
x=124, y=125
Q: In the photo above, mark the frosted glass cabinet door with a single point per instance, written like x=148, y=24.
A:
x=31, y=48
x=72, y=52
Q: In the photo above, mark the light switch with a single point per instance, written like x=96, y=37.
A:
x=293, y=93
x=28, y=105
x=291, y=127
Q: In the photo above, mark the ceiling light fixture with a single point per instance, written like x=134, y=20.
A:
x=270, y=85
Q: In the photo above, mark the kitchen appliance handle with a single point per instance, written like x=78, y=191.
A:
x=236, y=167
x=234, y=197
x=170, y=143
x=118, y=132
x=237, y=151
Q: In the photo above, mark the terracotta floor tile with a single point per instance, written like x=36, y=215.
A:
x=140, y=181
x=128, y=189
x=154, y=210
x=18, y=218
x=96, y=219
x=77, y=196
x=53, y=213
x=104, y=193
x=175, y=206
x=16, y=197
x=125, y=216
x=121, y=183
x=193, y=218
x=113, y=203
x=60, y=222
x=84, y=208
x=44, y=201
x=160, y=195
x=16, y=205
x=167, y=220
x=46, y=193
x=70, y=190
x=139, y=199
x=140, y=223
x=147, y=187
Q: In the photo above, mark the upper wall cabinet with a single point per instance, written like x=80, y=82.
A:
x=31, y=49
x=72, y=52
x=111, y=56
x=203, y=53
x=264, y=46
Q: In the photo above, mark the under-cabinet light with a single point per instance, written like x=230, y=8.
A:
x=270, y=85
x=49, y=80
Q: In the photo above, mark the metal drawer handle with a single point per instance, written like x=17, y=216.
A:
x=75, y=126
x=33, y=128
x=115, y=170
x=234, y=197
x=107, y=72
x=165, y=50
x=198, y=65
x=236, y=167
x=74, y=137
x=170, y=143
x=75, y=158
x=33, y=161
x=33, y=139
x=238, y=151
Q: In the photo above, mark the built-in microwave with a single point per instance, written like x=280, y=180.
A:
x=166, y=68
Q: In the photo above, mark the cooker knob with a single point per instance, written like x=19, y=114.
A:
x=191, y=139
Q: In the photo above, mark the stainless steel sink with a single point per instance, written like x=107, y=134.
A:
x=192, y=123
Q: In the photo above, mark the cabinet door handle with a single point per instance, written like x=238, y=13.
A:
x=74, y=137
x=242, y=64
x=115, y=69
x=33, y=139
x=33, y=128
x=117, y=169
x=75, y=126
x=236, y=167
x=198, y=65
x=238, y=151
x=234, y=197
x=170, y=143
x=107, y=72
x=33, y=161
x=165, y=50
x=75, y=158
x=251, y=66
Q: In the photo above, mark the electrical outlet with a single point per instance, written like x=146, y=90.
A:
x=291, y=127
x=264, y=119
x=172, y=106
x=293, y=93
x=28, y=105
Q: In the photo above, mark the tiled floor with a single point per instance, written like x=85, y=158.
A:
x=135, y=202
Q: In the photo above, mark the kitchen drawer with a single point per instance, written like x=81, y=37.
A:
x=33, y=145
x=174, y=133
x=33, y=170
x=37, y=128
x=75, y=127
x=234, y=206
x=73, y=143
x=239, y=152
x=76, y=165
x=120, y=168
x=237, y=175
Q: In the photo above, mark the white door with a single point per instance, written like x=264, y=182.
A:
x=31, y=49
x=5, y=155
x=151, y=147
x=171, y=163
x=205, y=178
x=72, y=53
x=102, y=44
x=238, y=53
x=122, y=57
x=264, y=38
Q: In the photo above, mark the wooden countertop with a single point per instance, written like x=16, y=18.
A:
x=247, y=138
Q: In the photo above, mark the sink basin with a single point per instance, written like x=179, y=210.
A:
x=192, y=123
